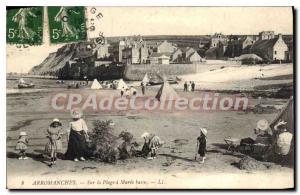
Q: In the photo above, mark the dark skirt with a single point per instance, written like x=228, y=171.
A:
x=77, y=145
x=201, y=151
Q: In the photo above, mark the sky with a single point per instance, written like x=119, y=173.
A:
x=125, y=21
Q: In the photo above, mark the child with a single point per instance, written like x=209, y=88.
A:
x=201, y=145
x=22, y=145
x=151, y=145
x=54, y=145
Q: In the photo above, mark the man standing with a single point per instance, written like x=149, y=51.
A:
x=143, y=88
x=185, y=87
x=193, y=86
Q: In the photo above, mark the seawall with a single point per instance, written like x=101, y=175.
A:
x=136, y=72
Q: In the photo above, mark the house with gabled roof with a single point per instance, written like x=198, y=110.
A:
x=176, y=57
x=271, y=49
x=194, y=58
x=159, y=58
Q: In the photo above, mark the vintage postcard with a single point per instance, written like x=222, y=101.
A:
x=150, y=97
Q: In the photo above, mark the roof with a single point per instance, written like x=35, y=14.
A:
x=264, y=44
x=210, y=50
x=177, y=50
x=186, y=49
x=193, y=54
x=155, y=54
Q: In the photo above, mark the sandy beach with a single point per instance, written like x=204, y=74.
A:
x=30, y=112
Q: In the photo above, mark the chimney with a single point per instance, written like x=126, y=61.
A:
x=279, y=36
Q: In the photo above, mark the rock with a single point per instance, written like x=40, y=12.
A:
x=250, y=164
x=181, y=142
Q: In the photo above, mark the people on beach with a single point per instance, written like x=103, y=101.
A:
x=284, y=138
x=54, y=134
x=127, y=92
x=262, y=132
x=143, y=88
x=77, y=146
x=122, y=91
x=190, y=86
x=185, y=86
x=22, y=145
x=201, y=145
x=151, y=145
x=193, y=86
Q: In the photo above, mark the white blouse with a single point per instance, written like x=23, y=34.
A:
x=78, y=125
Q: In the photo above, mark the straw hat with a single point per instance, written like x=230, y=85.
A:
x=262, y=125
x=56, y=120
x=145, y=135
x=76, y=113
x=204, y=131
x=282, y=124
x=23, y=133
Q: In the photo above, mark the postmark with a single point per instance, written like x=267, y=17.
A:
x=25, y=26
x=67, y=24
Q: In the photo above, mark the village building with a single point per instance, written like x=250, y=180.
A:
x=237, y=44
x=134, y=52
x=186, y=52
x=122, y=46
x=194, y=58
x=266, y=35
x=215, y=53
x=166, y=47
x=176, y=57
x=159, y=58
x=218, y=46
x=102, y=51
x=218, y=39
x=249, y=40
x=270, y=49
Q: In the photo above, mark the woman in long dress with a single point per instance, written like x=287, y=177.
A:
x=77, y=146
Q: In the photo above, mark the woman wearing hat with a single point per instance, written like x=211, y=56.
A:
x=22, y=145
x=54, y=134
x=284, y=138
x=77, y=147
x=201, y=145
x=262, y=132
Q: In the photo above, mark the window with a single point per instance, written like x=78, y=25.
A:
x=275, y=52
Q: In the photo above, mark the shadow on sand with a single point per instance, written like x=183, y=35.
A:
x=37, y=155
x=177, y=157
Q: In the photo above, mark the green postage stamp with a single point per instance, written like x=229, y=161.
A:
x=67, y=24
x=25, y=26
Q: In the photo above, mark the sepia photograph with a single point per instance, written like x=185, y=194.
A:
x=150, y=97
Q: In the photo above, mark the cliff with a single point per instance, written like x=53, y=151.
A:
x=58, y=60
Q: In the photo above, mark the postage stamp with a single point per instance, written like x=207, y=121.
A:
x=25, y=26
x=67, y=24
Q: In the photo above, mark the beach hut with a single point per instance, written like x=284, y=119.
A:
x=146, y=79
x=156, y=79
x=96, y=85
x=122, y=85
x=166, y=93
x=286, y=114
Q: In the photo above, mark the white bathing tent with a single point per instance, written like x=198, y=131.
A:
x=96, y=85
x=122, y=85
x=146, y=79
x=166, y=93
